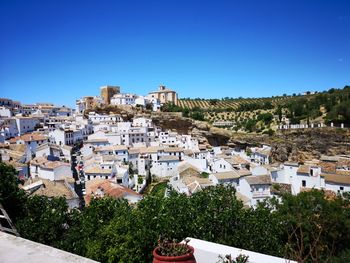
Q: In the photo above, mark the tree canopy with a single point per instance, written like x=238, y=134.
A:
x=309, y=227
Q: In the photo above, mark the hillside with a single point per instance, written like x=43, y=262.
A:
x=263, y=115
x=228, y=103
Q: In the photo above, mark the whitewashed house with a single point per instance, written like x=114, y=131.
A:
x=256, y=187
x=119, y=151
x=31, y=140
x=142, y=122
x=5, y=112
x=123, y=99
x=298, y=176
x=51, y=170
x=96, y=118
x=261, y=155
x=8, y=128
x=97, y=172
x=229, y=177
x=54, y=152
x=220, y=165
x=337, y=182
x=67, y=136
x=165, y=166
x=26, y=124
x=102, y=188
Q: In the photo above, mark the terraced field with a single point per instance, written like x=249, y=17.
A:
x=235, y=116
x=225, y=104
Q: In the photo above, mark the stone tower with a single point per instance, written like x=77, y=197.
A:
x=107, y=92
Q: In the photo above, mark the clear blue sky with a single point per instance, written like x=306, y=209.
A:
x=57, y=51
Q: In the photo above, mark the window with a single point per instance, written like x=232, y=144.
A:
x=341, y=188
x=303, y=183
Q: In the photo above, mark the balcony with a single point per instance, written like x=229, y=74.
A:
x=16, y=249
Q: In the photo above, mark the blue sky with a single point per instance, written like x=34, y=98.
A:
x=57, y=51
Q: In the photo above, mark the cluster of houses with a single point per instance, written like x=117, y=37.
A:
x=109, y=156
x=111, y=95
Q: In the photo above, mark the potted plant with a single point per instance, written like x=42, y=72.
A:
x=172, y=251
x=241, y=258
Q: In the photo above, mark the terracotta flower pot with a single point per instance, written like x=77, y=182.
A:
x=187, y=258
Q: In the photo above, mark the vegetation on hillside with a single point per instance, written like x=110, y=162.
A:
x=257, y=114
x=308, y=227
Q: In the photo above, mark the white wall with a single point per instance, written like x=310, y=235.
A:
x=220, y=165
x=164, y=169
x=336, y=187
x=25, y=125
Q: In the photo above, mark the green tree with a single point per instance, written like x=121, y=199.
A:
x=45, y=219
x=185, y=112
x=197, y=115
x=11, y=197
x=316, y=228
x=250, y=125
x=265, y=117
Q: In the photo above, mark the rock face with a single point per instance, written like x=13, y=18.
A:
x=301, y=145
x=292, y=145
x=205, y=133
x=168, y=121
x=281, y=152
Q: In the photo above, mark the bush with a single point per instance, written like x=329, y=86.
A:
x=308, y=227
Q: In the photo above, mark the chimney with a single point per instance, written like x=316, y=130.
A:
x=161, y=87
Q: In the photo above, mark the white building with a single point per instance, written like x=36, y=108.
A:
x=123, y=99
x=8, y=128
x=148, y=101
x=120, y=152
x=51, y=170
x=30, y=140
x=261, y=155
x=54, y=152
x=5, y=112
x=102, y=188
x=299, y=177
x=337, y=182
x=109, y=119
x=256, y=187
x=26, y=124
x=63, y=136
x=165, y=166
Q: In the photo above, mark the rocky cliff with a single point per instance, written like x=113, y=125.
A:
x=292, y=145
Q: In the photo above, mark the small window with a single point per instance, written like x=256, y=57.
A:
x=341, y=188
x=303, y=183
